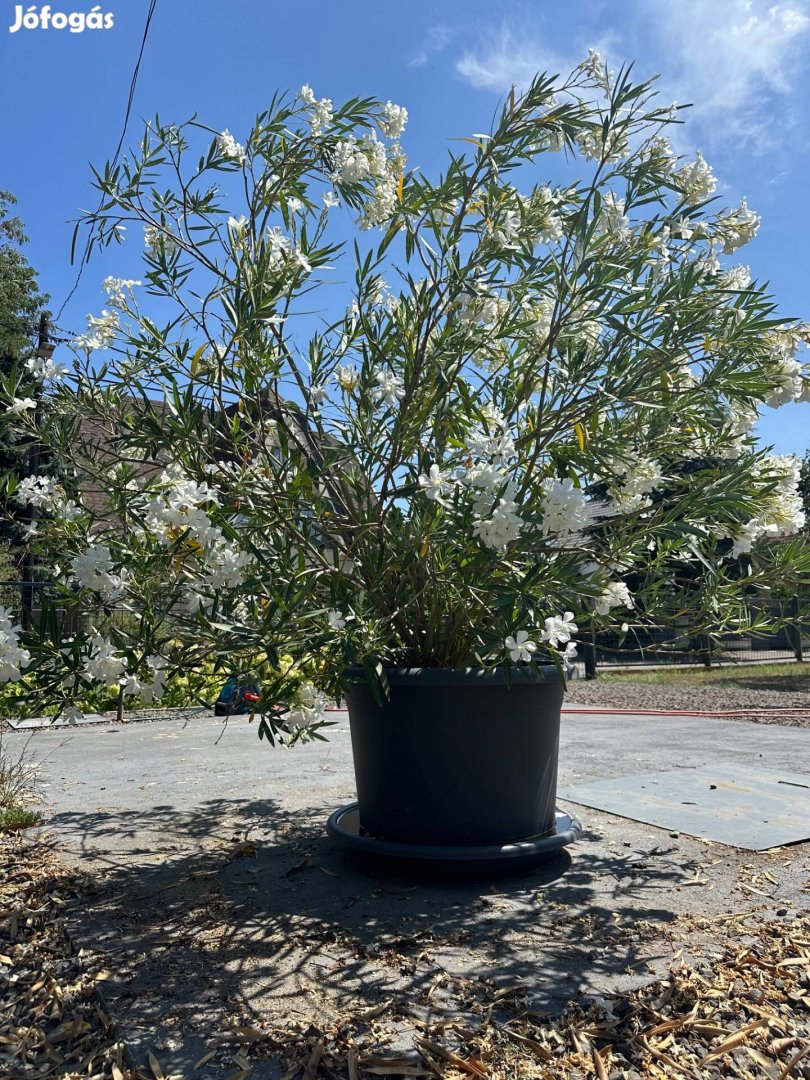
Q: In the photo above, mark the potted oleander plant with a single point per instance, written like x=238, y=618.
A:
x=401, y=437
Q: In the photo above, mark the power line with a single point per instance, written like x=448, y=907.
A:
x=130, y=99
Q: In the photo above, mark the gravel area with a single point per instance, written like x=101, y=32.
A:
x=775, y=699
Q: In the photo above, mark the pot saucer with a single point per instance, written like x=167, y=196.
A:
x=345, y=830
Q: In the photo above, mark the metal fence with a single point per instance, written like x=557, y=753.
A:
x=639, y=645
x=681, y=645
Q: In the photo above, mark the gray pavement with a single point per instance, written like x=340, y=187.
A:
x=215, y=898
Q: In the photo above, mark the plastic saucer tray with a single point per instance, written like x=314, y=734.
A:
x=345, y=829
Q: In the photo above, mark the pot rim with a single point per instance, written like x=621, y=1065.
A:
x=540, y=673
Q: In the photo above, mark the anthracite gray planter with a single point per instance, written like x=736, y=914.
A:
x=457, y=757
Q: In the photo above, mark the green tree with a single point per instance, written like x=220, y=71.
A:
x=21, y=303
x=804, y=487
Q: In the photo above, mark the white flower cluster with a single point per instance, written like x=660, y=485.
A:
x=737, y=227
x=659, y=154
x=696, y=180
x=791, y=381
x=320, y=110
x=347, y=377
x=118, y=290
x=502, y=527
x=595, y=67
x=103, y=664
x=282, y=252
x=595, y=147
x=154, y=689
x=740, y=422
x=616, y=594
x=19, y=406
x=12, y=658
x=559, y=629
x=230, y=148
x=101, y=331
x=636, y=484
x=369, y=159
x=158, y=241
x=37, y=491
x=45, y=493
x=614, y=221
x=564, y=507
x=393, y=120
x=783, y=513
x=542, y=212
x=43, y=368
x=309, y=709
x=483, y=307
x=93, y=570
x=179, y=509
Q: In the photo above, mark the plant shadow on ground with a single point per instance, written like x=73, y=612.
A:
x=243, y=913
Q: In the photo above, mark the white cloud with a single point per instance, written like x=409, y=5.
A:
x=435, y=41
x=737, y=60
x=510, y=58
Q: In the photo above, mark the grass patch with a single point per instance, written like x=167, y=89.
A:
x=17, y=775
x=13, y=818
x=699, y=676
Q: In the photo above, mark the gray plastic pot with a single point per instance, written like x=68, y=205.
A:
x=457, y=756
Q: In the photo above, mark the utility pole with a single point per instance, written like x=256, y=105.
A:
x=44, y=351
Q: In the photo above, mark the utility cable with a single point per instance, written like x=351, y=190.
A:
x=131, y=98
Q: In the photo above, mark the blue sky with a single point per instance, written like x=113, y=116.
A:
x=744, y=63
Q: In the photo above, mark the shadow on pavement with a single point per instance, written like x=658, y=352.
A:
x=243, y=913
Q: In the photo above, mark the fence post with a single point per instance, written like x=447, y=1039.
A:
x=590, y=655
x=797, y=631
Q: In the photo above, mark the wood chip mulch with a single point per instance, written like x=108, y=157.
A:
x=737, y=1006
x=52, y=1020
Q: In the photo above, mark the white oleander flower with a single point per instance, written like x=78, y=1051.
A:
x=318, y=394
x=520, y=647
x=43, y=368
x=335, y=619
x=157, y=241
x=119, y=290
x=93, y=570
x=637, y=482
x=564, y=507
x=38, y=491
x=13, y=659
x=559, y=629
x=616, y=594
x=224, y=565
x=310, y=709
x=435, y=484
x=101, y=331
x=103, y=664
x=738, y=227
x=507, y=229
x=72, y=714
x=230, y=148
x=347, y=377
x=390, y=389
x=393, y=120
x=502, y=528
x=614, y=220
x=19, y=406
x=330, y=200
x=321, y=110
x=696, y=179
